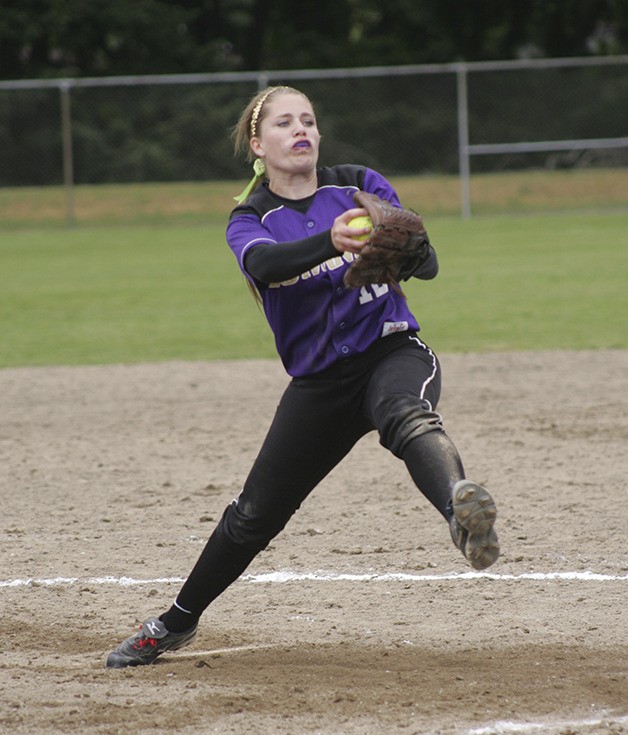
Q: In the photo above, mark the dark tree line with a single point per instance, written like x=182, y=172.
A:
x=176, y=132
x=59, y=38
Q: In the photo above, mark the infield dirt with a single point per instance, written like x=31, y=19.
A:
x=119, y=473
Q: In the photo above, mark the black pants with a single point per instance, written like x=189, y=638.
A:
x=393, y=388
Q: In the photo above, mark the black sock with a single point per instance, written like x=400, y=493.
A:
x=435, y=466
x=221, y=562
x=177, y=620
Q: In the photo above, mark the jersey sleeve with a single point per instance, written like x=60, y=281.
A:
x=264, y=260
x=244, y=231
x=375, y=183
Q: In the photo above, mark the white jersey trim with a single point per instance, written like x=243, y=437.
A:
x=337, y=186
x=270, y=211
x=250, y=244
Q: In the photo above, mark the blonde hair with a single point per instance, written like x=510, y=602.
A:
x=250, y=120
x=247, y=127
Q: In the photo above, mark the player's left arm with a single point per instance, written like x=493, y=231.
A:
x=425, y=267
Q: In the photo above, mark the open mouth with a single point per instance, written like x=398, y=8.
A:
x=302, y=144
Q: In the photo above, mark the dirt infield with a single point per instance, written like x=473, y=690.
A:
x=361, y=618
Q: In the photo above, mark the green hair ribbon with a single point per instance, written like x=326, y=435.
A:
x=260, y=169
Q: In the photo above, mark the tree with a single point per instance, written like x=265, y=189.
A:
x=57, y=38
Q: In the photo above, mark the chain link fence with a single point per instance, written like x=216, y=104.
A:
x=449, y=119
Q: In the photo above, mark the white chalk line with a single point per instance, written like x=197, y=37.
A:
x=285, y=577
x=505, y=727
x=282, y=577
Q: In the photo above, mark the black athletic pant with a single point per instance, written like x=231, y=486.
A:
x=393, y=388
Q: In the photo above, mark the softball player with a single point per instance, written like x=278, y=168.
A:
x=354, y=356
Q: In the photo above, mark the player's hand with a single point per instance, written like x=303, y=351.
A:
x=343, y=237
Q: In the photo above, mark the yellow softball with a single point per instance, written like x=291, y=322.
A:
x=359, y=223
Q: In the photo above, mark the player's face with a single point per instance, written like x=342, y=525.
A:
x=288, y=139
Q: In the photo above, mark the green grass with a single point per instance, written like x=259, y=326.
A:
x=104, y=295
x=527, y=283
x=98, y=295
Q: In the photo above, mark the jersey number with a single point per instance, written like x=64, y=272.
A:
x=379, y=289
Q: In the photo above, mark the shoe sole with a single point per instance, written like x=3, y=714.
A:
x=475, y=511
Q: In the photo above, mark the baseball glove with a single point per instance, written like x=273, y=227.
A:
x=397, y=245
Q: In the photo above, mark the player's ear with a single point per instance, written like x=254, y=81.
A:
x=256, y=146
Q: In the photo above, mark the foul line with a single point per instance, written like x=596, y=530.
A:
x=282, y=577
x=504, y=727
x=285, y=577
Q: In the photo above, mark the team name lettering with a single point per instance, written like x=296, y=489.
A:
x=329, y=265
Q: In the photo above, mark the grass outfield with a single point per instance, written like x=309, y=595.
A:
x=97, y=295
x=526, y=283
x=209, y=202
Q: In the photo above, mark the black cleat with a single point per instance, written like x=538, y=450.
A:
x=472, y=522
x=150, y=641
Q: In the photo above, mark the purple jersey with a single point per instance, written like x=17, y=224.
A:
x=315, y=319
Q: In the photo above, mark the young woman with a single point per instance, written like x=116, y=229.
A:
x=354, y=356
